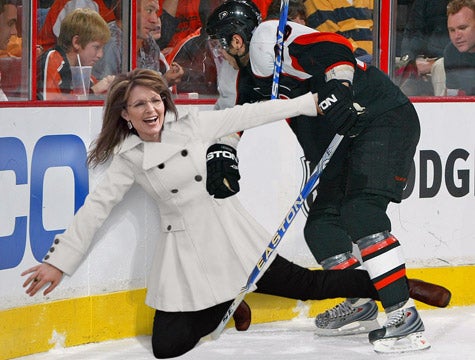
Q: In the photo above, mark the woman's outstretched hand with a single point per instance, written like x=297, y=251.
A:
x=41, y=275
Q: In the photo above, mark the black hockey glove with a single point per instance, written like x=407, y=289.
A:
x=336, y=101
x=222, y=171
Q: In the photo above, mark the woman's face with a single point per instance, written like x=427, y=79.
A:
x=146, y=111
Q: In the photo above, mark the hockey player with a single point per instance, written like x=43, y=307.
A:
x=367, y=172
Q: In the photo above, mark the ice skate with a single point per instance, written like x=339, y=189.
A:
x=402, y=332
x=353, y=316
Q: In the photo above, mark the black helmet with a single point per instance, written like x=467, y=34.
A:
x=233, y=17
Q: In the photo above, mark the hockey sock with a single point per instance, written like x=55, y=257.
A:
x=383, y=259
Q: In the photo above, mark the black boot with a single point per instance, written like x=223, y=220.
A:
x=428, y=293
x=242, y=317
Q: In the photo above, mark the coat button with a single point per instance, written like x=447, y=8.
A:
x=198, y=178
x=56, y=241
x=174, y=191
x=46, y=257
x=184, y=152
x=161, y=166
x=169, y=227
x=51, y=249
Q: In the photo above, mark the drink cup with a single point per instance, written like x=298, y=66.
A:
x=81, y=80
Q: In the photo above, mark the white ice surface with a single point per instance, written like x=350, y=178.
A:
x=451, y=333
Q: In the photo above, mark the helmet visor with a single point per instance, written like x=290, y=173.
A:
x=217, y=46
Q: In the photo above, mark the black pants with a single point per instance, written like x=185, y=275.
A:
x=365, y=174
x=175, y=333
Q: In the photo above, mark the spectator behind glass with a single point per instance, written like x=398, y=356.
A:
x=10, y=41
x=297, y=11
x=13, y=48
x=169, y=20
x=8, y=18
x=426, y=30
x=111, y=61
x=459, y=55
x=352, y=19
x=425, y=37
x=81, y=41
x=9, y=30
x=49, y=33
x=189, y=18
x=148, y=52
x=149, y=55
x=189, y=45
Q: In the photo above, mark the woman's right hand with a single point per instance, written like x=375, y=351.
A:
x=41, y=275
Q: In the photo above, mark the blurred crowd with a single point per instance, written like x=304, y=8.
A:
x=435, y=43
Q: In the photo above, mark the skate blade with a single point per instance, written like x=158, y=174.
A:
x=411, y=342
x=354, y=328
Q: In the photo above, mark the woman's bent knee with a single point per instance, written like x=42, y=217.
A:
x=162, y=350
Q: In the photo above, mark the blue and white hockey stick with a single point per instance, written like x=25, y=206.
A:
x=279, y=47
x=276, y=239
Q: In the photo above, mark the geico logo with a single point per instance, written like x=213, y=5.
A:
x=52, y=151
x=221, y=153
x=329, y=101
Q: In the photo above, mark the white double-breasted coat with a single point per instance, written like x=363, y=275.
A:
x=207, y=247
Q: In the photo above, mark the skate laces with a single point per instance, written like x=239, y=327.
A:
x=340, y=310
x=395, y=318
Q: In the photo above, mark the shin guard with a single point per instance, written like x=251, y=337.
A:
x=384, y=260
x=341, y=261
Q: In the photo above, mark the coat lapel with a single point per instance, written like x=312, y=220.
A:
x=155, y=153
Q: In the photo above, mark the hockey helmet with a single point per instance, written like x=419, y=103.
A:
x=233, y=17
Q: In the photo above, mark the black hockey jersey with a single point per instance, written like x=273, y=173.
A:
x=311, y=58
x=314, y=57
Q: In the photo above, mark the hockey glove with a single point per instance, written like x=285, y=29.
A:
x=222, y=171
x=336, y=102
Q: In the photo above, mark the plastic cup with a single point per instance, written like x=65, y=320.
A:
x=81, y=80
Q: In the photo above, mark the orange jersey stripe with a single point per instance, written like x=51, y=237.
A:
x=339, y=64
x=52, y=78
x=316, y=37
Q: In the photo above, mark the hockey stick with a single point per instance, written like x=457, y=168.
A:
x=279, y=47
x=276, y=239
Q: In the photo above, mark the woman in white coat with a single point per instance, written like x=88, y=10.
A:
x=207, y=247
